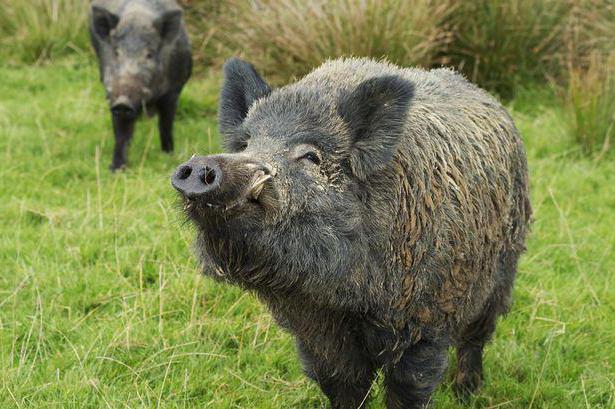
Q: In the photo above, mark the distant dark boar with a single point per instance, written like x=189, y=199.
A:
x=145, y=60
x=378, y=211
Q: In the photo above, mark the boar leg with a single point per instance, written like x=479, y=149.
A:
x=167, y=106
x=469, y=374
x=411, y=381
x=123, y=129
x=344, y=390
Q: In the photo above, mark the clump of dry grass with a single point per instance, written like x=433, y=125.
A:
x=286, y=38
x=589, y=91
x=36, y=30
x=202, y=23
x=591, y=104
x=590, y=28
x=501, y=43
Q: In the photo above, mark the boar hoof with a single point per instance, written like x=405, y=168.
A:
x=465, y=389
x=117, y=167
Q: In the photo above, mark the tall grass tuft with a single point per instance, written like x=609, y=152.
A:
x=35, y=30
x=290, y=37
x=202, y=24
x=591, y=104
x=589, y=86
x=590, y=29
x=501, y=43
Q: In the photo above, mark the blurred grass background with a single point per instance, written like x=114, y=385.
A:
x=498, y=44
x=101, y=301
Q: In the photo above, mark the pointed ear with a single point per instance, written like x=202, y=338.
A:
x=169, y=24
x=241, y=88
x=103, y=21
x=375, y=113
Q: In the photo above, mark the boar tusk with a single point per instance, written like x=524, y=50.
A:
x=258, y=186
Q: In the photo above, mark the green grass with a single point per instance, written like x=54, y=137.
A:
x=37, y=30
x=102, y=305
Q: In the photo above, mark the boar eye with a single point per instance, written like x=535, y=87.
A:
x=312, y=157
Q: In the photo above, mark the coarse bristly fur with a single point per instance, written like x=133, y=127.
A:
x=390, y=230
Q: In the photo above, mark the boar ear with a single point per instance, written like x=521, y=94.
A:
x=103, y=21
x=241, y=88
x=169, y=24
x=375, y=113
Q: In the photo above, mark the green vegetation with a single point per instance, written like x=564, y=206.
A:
x=101, y=301
x=102, y=304
x=506, y=43
x=591, y=104
x=37, y=30
x=499, y=44
x=291, y=37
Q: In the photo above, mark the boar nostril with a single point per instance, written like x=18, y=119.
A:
x=184, y=172
x=209, y=176
x=123, y=110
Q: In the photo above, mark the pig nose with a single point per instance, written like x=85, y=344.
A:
x=197, y=177
x=123, y=108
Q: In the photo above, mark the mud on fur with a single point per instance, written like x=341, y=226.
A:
x=388, y=229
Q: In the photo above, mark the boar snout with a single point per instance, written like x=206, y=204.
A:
x=221, y=181
x=124, y=108
x=197, y=177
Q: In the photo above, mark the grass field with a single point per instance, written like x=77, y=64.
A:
x=101, y=303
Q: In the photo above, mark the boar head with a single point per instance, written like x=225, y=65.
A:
x=287, y=207
x=133, y=47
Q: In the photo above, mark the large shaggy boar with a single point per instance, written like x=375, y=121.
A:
x=378, y=211
x=145, y=60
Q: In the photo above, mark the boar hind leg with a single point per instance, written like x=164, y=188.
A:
x=469, y=373
x=123, y=128
x=167, y=106
x=344, y=390
x=412, y=380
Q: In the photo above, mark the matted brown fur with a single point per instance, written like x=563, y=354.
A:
x=461, y=201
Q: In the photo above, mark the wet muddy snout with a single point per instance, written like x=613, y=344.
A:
x=221, y=179
x=123, y=107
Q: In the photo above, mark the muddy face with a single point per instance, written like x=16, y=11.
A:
x=282, y=202
x=134, y=40
x=280, y=175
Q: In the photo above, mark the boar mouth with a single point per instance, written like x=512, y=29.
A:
x=252, y=195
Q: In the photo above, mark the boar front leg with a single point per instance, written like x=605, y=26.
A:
x=167, y=106
x=123, y=129
x=346, y=388
x=411, y=381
